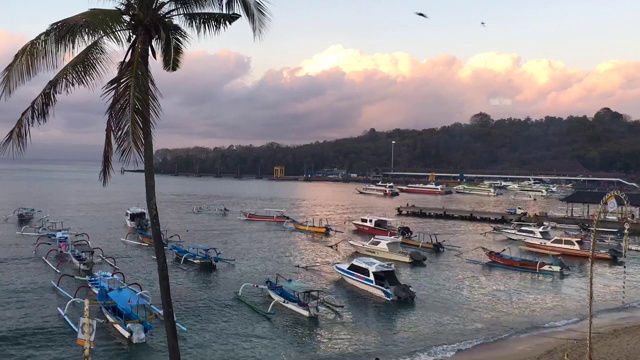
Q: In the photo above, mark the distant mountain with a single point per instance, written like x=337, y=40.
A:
x=606, y=143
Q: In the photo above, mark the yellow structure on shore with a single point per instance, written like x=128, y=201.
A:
x=278, y=171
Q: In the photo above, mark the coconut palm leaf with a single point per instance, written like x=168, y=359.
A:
x=172, y=42
x=85, y=70
x=207, y=23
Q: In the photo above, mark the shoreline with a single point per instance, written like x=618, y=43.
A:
x=614, y=337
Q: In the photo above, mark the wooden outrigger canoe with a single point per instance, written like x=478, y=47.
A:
x=312, y=227
x=420, y=241
x=143, y=238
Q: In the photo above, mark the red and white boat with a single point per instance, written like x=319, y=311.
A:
x=573, y=247
x=270, y=215
x=428, y=189
x=375, y=225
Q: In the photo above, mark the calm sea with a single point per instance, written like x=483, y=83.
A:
x=458, y=304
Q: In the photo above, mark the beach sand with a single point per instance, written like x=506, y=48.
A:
x=614, y=339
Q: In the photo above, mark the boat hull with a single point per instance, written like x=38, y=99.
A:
x=424, y=191
x=571, y=252
x=378, y=193
x=116, y=324
x=370, y=288
x=304, y=311
x=375, y=230
x=268, y=218
x=519, y=263
x=312, y=229
x=418, y=244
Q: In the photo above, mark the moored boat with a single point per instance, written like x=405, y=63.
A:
x=136, y=217
x=375, y=277
x=574, y=247
x=270, y=215
x=198, y=255
x=523, y=232
x=387, y=247
x=311, y=227
x=486, y=190
x=428, y=189
x=376, y=225
x=23, y=214
x=210, y=208
x=520, y=263
x=420, y=241
x=379, y=189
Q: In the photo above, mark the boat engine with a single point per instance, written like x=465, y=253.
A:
x=405, y=231
x=615, y=253
x=404, y=293
x=438, y=246
x=142, y=223
x=137, y=333
x=417, y=256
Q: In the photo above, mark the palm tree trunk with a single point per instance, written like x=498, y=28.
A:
x=154, y=217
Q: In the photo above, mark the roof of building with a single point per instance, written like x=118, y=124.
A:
x=594, y=197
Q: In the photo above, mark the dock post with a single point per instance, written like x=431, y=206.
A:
x=86, y=351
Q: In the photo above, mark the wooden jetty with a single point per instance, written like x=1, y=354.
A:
x=458, y=214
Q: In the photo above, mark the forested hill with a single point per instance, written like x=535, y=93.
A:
x=609, y=142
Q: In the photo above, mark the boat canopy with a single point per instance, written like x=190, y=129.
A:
x=297, y=286
x=372, y=264
x=126, y=298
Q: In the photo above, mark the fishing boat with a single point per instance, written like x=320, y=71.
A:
x=23, y=214
x=210, y=208
x=486, y=190
x=387, y=247
x=46, y=227
x=78, y=251
x=293, y=295
x=127, y=309
x=424, y=241
x=137, y=218
x=500, y=259
x=270, y=215
x=379, y=189
x=311, y=227
x=198, y=255
x=428, y=189
x=144, y=238
x=573, y=247
x=376, y=225
x=378, y=278
x=518, y=231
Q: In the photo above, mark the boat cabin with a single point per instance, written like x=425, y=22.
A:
x=385, y=243
x=378, y=222
x=566, y=243
x=383, y=275
x=135, y=213
x=542, y=232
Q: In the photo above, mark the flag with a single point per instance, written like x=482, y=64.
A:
x=612, y=204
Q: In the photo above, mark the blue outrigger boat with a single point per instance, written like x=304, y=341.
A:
x=198, y=255
x=127, y=309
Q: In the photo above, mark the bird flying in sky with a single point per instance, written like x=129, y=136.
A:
x=482, y=23
x=422, y=14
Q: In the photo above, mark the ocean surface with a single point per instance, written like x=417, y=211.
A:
x=458, y=304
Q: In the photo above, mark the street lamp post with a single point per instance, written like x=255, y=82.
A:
x=392, y=143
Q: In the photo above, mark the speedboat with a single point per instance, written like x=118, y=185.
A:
x=429, y=189
x=379, y=189
x=136, y=218
x=573, y=247
x=519, y=232
x=378, y=278
x=481, y=189
x=376, y=225
x=387, y=247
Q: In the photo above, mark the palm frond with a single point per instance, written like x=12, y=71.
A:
x=207, y=23
x=172, y=43
x=107, y=154
x=256, y=11
x=133, y=97
x=47, y=51
x=84, y=70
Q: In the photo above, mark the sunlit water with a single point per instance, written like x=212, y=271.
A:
x=457, y=305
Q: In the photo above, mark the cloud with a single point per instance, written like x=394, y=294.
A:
x=339, y=92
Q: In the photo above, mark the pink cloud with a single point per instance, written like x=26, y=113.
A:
x=339, y=92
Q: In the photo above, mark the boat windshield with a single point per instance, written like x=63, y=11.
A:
x=386, y=278
x=394, y=246
x=136, y=215
x=380, y=223
x=546, y=235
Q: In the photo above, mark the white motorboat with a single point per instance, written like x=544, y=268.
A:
x=428, y=189
x=378, y=278
x=387, y=247
x=486, y=190
x=136, y=217
x=519, y=232
x=379, y=189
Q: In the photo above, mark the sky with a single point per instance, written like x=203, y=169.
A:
x=335, y=68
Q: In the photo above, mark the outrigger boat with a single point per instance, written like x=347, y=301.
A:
x=23, y=214
x=376, y=225
x=293, y=295
x=375, y=277
x=198, y=255
x=127, y=309
x=387, y=247
x=379, y=189
x=144, y=238
x=502, y=260
x=420, y=241
x=136, y=218
x=270, y=215
x=46, y=227
x=310, y=226
x=80, y=251
x=211, y=208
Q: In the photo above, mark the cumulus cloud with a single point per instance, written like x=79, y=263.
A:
x=340, y=92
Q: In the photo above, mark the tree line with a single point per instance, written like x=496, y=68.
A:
x=605, y=143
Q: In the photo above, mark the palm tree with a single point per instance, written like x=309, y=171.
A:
x=143, y=29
